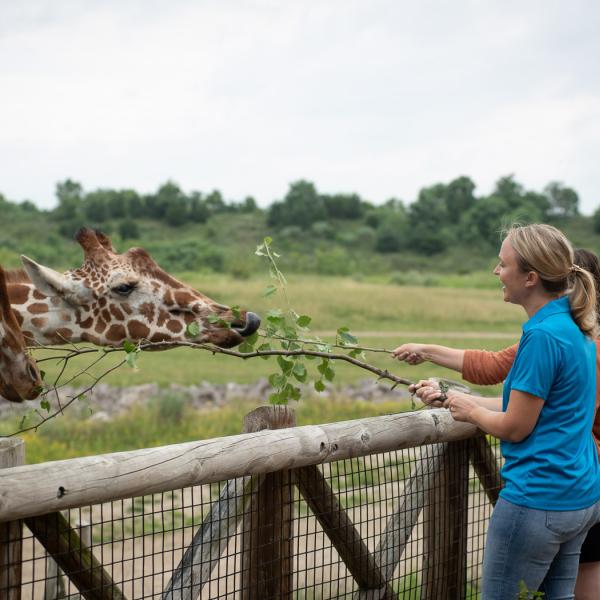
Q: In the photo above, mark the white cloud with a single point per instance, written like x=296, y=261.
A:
x=375, y=97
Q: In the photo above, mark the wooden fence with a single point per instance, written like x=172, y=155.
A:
x=258, y=473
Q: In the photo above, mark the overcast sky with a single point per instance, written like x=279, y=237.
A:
x=375, y=97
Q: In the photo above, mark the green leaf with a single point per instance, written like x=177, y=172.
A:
x=323, y=366
x=235, y=311
x=193, y=329
x=299, y=372
x=329, y=374
x=277, y=380
x=131, y=359
x=303, y=321
x=216, y=320
x=324, y=348
x=319, y=386
x=277, y=398
x=252, y=339
x=245, y=348
x=345, y=336
x=285, y=365
x=290, y=332
x=45, y=405
x=275, y=318
x=268, y=241
x=269, y=291
x=264, y=348
x=129, y=347
x=82, y=397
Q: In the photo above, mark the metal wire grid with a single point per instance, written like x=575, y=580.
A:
x=140, y=542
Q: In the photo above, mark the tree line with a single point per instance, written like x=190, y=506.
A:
x=442, y=215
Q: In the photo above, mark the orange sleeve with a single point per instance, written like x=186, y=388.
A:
x=487, y=368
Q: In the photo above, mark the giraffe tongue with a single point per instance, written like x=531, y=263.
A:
x=252, y=324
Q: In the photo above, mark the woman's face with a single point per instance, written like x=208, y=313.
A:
x=510, y=274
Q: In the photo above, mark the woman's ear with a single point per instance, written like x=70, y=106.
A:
x=532, y=279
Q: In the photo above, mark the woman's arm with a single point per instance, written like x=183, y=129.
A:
x=415, y=354
x=487, y=368
x=514, y=425
x=476, y=366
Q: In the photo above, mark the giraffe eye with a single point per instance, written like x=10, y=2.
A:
x=124, y=289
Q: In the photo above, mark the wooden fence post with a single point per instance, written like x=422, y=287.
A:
x=12, y=454
x=267, y=530
x=486, y=467
x=445, y=527
x=55, y=587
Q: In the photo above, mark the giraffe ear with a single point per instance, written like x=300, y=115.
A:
x=47, y=281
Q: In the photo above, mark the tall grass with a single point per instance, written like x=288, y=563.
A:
x=169, y=421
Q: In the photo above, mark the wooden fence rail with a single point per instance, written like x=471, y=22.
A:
x=94, y=479
x=261, y=466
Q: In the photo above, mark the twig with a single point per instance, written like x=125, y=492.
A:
x=69, y=402
x=381, y=373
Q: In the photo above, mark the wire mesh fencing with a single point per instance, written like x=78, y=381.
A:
x=406, y=524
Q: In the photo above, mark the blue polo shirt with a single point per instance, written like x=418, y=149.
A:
x=556, y=466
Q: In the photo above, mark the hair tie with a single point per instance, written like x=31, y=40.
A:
x=576, y=269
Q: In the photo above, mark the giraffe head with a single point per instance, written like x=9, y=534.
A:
x=19, y=376
x=115, y=297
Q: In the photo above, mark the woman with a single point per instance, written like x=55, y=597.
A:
x=551, y=471
x=487, y=368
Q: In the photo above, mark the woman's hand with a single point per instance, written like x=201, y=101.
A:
x=429, y=393
x=461, y=406
x=413, y=354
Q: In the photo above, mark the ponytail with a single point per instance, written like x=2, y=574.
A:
x=582, y=299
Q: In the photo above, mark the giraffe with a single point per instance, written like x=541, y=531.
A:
x=19, y=376
x=113, y=298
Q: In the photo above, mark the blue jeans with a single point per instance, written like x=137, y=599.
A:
x=537, y=547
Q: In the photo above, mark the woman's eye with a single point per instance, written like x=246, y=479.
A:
x=124, y=289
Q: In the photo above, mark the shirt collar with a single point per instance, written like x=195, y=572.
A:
x=560, y=305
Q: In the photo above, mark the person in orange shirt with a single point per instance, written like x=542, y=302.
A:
x=488, y=368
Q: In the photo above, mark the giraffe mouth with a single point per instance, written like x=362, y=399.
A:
x=247, y=327
x=229, y=337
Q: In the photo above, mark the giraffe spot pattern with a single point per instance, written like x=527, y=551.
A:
x=137, y=330
x=37, y=308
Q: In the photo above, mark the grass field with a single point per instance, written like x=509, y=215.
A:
x=383, y=316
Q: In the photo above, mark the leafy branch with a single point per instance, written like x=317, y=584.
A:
x=286, y=337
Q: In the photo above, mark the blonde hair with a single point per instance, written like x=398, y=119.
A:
x=546, y=250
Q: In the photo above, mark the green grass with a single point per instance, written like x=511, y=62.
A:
x=387, y=315
x=383, y=316
x=170, y=421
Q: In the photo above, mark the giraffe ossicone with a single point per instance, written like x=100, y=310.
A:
x=116, y=297
x=20, y=378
